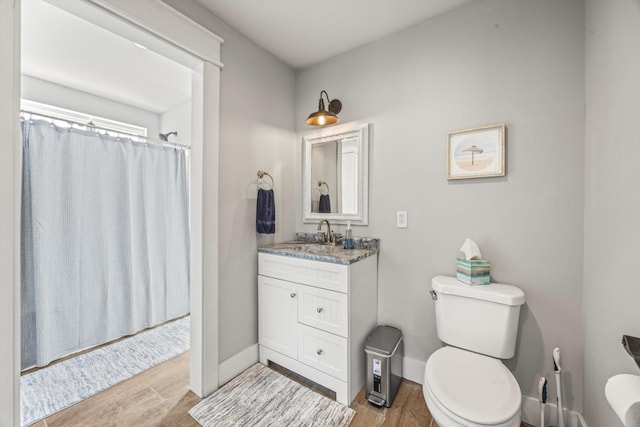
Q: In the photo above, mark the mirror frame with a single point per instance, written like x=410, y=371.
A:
x=361, y=132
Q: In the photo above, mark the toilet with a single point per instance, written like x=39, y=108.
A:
x=465, y=383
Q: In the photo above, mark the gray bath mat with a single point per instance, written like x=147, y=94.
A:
x=47, y=391
x=262, y=397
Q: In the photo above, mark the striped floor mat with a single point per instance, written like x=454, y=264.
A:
x=261, y=397
x=49, y=390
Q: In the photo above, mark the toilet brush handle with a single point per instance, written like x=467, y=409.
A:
x=557, y=368
x=542, y=397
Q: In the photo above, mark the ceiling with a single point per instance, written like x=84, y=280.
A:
x=62, y=48
x=304, y=32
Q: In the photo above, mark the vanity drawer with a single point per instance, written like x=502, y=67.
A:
x=322, y=309
x=323, y=351
x=325, y=275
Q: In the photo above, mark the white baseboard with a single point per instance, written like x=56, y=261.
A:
x=236, y=364
x=413, y=369
x=531, y=414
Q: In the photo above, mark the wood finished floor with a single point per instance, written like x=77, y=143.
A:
x=161, y=397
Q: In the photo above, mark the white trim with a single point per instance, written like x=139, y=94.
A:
x=164, y=21
x=360, y=131
x=10, y=192
x=204, y=244
x=413, y=369
x=581, y=421
x=196, y=355
x=119, y=19
x=531, y=414
x=238, y=363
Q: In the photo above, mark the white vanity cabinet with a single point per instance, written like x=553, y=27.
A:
x=314, y=318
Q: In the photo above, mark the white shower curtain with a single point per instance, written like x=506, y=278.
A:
x=105, y=239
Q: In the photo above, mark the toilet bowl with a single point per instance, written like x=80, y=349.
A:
x=465, y=383
x=466, y=389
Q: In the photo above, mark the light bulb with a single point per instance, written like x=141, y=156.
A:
x=322, y=120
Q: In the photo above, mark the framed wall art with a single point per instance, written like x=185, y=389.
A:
x=476, y=153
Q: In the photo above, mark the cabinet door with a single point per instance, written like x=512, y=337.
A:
x=278, y=315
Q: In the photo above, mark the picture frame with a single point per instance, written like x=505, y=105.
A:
x=476, y=153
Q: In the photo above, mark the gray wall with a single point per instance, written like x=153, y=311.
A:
x=516, y=62
x=256, y=132
x=612, y=203
x=511, y=61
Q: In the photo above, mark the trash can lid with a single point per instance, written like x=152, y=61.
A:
x=383, y=340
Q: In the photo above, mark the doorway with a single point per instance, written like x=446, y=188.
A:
x=156, y=25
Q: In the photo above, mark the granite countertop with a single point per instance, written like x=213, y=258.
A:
x=306, y=249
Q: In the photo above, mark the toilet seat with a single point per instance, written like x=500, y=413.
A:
x=470, y=389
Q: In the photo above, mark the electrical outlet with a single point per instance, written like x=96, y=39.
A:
x=401, y=219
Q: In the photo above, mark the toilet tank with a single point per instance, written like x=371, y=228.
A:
x=481, y=318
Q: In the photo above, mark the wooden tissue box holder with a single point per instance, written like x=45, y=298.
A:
x=473, y=271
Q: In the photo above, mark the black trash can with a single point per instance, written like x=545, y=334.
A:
x=385, y=349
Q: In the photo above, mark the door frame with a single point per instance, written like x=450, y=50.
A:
x=179, y=38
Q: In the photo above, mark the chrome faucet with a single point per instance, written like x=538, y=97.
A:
x=326, y=237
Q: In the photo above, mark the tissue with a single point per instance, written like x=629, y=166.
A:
x=470, y=250
x=623, y=394
x=471, y=269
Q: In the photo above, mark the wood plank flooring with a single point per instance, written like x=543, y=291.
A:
x=157, y=397
x=161, y=397
x=408, y=409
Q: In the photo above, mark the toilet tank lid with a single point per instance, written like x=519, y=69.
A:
x=494, y=292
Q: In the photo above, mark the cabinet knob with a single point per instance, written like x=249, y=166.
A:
x=292, y=295
x=319, y=352
x=319, y=309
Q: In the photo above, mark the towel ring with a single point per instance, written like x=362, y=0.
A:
x=261, y=175
x=320, y=184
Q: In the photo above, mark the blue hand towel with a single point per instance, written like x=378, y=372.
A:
x=324, y=204
x=266, y=212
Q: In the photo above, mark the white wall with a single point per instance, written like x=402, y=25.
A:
x=516, y=62
x=256, y=132
x=177, y=119
x=54, y=94
x=612, y=209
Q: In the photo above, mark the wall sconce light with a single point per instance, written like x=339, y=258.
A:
x=323, y=117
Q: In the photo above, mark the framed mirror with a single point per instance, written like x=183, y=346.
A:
x=335, y=177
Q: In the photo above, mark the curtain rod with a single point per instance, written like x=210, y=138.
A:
x=147, y=140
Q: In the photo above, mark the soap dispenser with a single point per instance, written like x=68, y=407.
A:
x=348, y=237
